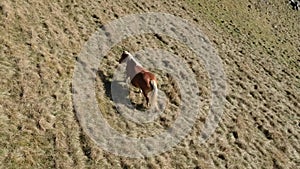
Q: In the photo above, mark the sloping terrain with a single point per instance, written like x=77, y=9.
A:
x=258, y=42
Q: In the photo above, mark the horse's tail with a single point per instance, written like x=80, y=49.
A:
x=153, y=98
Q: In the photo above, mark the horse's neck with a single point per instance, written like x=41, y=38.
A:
x=133, y=67
x=133, y=62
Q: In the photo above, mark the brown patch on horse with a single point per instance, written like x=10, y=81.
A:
x=142, y=81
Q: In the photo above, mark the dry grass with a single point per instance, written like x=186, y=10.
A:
x=258, y=42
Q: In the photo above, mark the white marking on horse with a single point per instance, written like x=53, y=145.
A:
x=133, y=67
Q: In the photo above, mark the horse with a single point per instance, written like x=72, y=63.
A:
x=295, y=4
x=140, y=78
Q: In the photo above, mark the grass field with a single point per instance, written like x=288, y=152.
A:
x=258, y=42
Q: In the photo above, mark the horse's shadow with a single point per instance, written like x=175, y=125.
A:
x=106, y=82
x=120, y=94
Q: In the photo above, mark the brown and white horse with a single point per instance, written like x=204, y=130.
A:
x=140, y=77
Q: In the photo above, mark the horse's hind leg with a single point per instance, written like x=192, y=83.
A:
x=147, y=98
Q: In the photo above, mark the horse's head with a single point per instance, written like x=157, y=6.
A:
x=124, y=56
